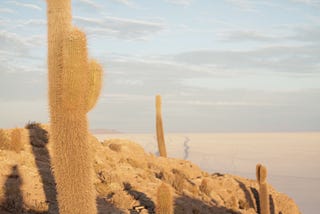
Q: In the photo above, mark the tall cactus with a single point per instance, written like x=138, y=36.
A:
x=159, y=127
x=72, y=93
x=261, y=173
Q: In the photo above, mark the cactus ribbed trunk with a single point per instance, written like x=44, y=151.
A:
x=16, y=140
x=164, y=200
x=72, y=167
x=159, y=127
x=68, y=74
x=261, y=173
x=59, y=23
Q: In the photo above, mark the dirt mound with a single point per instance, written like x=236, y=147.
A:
x=126, y=181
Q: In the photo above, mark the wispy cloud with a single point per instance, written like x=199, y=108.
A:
x=180, y=2
x=245, y=5
x=305, y=33
x=6, y=10
x=284, y=59
x=122, y=28
x=247, y=35
x=26, y=5
x=124, y=2
x=308, y=2
x=9, y=40
x=223, y=103
x=90, y=3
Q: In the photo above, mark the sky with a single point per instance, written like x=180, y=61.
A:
x=219, y=65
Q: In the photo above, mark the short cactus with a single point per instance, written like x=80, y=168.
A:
x=5, y=141
x=261, y=173
x=159, y=127
x=16, y=140
x=164, y=200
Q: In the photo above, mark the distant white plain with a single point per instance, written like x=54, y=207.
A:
x=292, y=159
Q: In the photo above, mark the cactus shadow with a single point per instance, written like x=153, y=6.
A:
x=188, y=205
x=256, y=198
x=104, y=207
x=13, y=201
x=272, y=206
x=247, y=193
x=144, y=200
x=38, y=140
x=13, y=197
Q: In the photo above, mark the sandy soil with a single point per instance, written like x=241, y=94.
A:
x=293, y=159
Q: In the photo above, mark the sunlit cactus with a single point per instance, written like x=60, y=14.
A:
x=159, y=127
x=164, y=200
x=5, y=141
x=95, y=83
x=74, y=86
x=16, y=140
x=261, y=173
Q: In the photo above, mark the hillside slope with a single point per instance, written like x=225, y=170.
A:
x=126, y=181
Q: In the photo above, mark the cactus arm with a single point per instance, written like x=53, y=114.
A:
x=95, y=83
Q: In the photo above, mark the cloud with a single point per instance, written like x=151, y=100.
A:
x=213, y=110
x=180, y=2
x=245, y=5
x=36, y=22
x=299, y=59
x=306, y=33
x=146, y=75
x=6, y=10
x=247, y=35
x=125, y=2
x=18, y=43
x=90, y=3
x=121, y=28
x=308, y=2
x=25, y=5
x=9, y=41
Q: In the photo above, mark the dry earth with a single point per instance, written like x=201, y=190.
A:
x=126, y=181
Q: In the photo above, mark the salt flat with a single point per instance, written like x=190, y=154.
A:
x=292, y=159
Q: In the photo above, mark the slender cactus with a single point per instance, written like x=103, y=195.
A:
x=5, y=141
x=261, y=173
x=164, y=200
x=159, y=127
x=16, y=140
x=74, y=86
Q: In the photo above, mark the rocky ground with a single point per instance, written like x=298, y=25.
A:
x=126, y=180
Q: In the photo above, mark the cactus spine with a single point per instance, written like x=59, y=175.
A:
x=164, y=200
x=261, y=173
x=69, y=91
x=159, y=127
